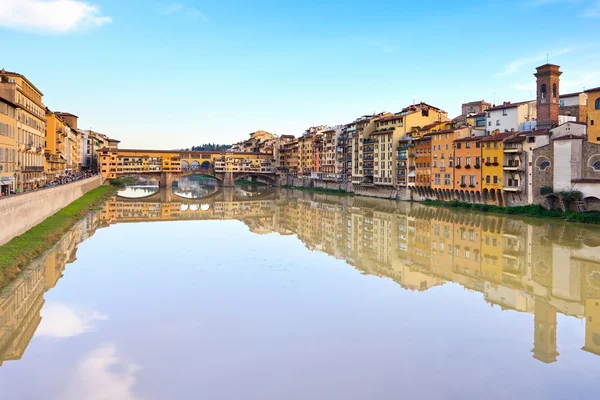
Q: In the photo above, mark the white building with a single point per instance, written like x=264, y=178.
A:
x=509, y=116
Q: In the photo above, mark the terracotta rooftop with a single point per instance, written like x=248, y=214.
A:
x=597, y=89
x=497, y=137
x=469, y=139
x=570, y=94
x=433, y=125
x=569, y=137
x=515, y=139
x=535, y=133
x=507, y=105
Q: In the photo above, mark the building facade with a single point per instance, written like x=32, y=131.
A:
x=31, y=121
x=8, y=147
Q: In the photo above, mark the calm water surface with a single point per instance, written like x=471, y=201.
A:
x=250, y=293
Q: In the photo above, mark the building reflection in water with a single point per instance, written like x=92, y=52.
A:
x=542, y=269
x=21, y=302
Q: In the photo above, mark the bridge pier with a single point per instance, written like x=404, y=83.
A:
x=166, y=180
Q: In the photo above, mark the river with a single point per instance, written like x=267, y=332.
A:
x=259, y=293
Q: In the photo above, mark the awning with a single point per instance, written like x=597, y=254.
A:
x=412, y=174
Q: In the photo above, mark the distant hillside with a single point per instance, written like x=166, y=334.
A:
x=211, y=147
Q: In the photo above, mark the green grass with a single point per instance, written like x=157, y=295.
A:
x=249, y=183
x=319, y=190
x=535, y=211
x=23, y=249
x=122, y=182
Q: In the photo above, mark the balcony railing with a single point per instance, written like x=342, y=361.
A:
x=512, y=187
x=32, y=169
x=513, y=165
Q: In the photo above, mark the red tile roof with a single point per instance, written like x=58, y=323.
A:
x=469, y=139
x=570, y=94
x=569, y=137
x=507, y=105
x=498, y=137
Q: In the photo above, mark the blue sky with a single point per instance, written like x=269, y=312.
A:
x=173, y=74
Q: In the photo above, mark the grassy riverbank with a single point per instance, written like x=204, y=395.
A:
x=319, y=190
x=535, y=211
x=122, y=182
x=23, y=249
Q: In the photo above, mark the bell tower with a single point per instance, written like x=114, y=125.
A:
x=548, y=102
x=544, y=340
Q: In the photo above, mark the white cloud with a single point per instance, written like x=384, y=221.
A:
x=50, y=16
x=103, y=375
x=593, y=11
x=516, y=65
x=62, y=321
x=187, y=11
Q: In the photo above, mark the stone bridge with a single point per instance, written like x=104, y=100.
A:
x=224, y=179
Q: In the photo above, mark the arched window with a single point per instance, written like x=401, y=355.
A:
x=554, y=90
x=598, y=103
x=543, y=90
x=544, y=165
x=596, y=166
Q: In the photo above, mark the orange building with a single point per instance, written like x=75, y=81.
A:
x=467, y=168
x=423, y=161
x=442, y=161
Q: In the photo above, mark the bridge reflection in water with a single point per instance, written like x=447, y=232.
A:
x=544, y=269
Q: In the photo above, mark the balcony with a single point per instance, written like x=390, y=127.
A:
x=513, y=148
x=442, y=169
x=513, y=187
x=513, y=165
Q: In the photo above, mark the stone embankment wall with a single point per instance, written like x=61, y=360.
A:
x=20, y=213
x=382, y=192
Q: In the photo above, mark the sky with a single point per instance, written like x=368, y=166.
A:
x=163, y=75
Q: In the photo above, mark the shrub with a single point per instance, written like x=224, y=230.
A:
x=546, y=190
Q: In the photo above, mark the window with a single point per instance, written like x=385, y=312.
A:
x=495, y=180
x=554, y=91
x=562, y=103
x=468, y=161
x=468, y=145
x=446, y=179
x=472, y=180
x=543, y=91
x=596, y=166
x=458, y=161
x=458, y=145
x=531, y=139
x=490, y=123
x=463, y=180
x=497, y=122
x=505, y=112
x=545, y=164
x=477, y=144
x=477, y=161
x=598, y=103
x=437, y=179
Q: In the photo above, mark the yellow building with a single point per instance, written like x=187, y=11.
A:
x=363, y=148
x=56, y=146
x=31, y=124
x=593, y=119
x=492, y=158
x=388, y=169
x=8, y=146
